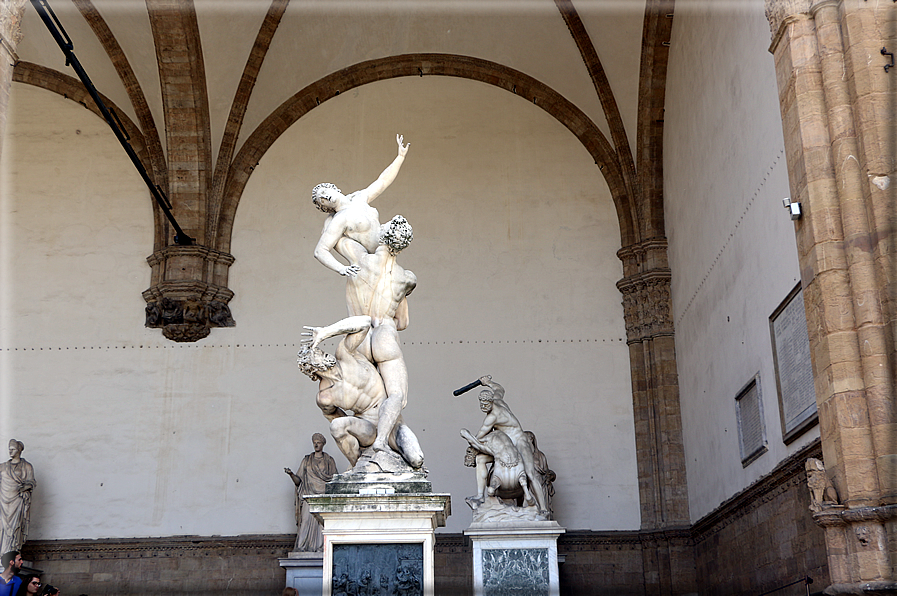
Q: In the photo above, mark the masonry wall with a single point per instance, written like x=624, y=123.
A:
x=763, y=538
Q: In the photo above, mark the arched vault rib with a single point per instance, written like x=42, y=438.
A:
x=238, y=108
x=158, y=167
x=605, y=96
x=71, y=88
x=449, y=65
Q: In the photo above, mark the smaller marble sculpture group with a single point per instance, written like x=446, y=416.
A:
x=513, y=478
x=16, y=485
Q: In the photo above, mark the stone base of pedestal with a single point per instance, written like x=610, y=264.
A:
x=515, y=558
x=377, y=542
x=304, y=572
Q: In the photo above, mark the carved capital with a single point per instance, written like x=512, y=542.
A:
x=646, y=290
x=646, y=305
x=189, y=294
x=781, y=12
x=11, y=12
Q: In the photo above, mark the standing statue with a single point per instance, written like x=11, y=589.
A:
x=16, y=483
x=349, y=382
x=493, y=456
x=316, y=470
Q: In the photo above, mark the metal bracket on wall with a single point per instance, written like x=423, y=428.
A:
x=885, y=52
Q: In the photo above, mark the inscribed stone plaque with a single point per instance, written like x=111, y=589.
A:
x=515, y=572
x=378, y=569
x=794, y=373
x=751, y=430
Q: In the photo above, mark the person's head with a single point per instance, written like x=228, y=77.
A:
x=290, y=592
x=396, y=234
x=30, y=584
x=325, y=196
x=313, y=362
x=486, y=399
x=50, y=591
x=15, y=448
x=11, y=558
x=318, y=441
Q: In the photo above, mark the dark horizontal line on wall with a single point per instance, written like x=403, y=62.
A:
x=192, y=346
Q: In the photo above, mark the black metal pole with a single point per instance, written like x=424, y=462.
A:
x=65, y=44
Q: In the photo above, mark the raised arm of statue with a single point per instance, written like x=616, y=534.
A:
x=355, y=329
x=388, y=175
x=497, y=389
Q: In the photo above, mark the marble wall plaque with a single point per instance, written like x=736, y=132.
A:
x=794, y=372
x=381, y=569
x=751, y=429
x=515, y=572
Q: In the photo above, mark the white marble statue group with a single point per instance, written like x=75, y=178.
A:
x=363, y=385
x=513, y=479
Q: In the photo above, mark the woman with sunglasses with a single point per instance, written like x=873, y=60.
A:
x=30, y=586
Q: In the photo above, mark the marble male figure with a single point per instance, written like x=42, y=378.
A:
x=16, y=484
x=499, y=417
x=316, y=470
x=350, y=382
x=379, y=290
x=352, y=226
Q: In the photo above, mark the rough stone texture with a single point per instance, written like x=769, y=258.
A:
x=660, y=453
x=764, y=537
x=830, y=91
x=245, y=565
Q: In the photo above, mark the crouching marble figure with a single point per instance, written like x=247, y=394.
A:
x=505, y=460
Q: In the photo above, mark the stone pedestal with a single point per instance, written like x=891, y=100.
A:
x=515, y=557
x=379, y=532
x=304, y=572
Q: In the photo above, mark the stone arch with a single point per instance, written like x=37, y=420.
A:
x=407, y=65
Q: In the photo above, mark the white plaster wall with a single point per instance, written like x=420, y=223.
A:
x=133, y=435
x=732, y=245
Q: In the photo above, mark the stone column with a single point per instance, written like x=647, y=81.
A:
x=11, y=12
x=660, y=454
x=837, y=104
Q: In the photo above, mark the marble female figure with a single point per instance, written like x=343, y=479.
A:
x=315, y=471
x=16, y=483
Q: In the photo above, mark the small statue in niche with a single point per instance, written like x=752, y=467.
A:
x=153, y=314
x=194, y=312
x=219, y=314
x=171, y=312
x=16, y=484
x=315, y=471
x=822, y=492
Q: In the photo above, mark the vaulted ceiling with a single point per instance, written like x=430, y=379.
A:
x=205, y=86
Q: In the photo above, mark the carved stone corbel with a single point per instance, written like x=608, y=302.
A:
x=189, y=295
